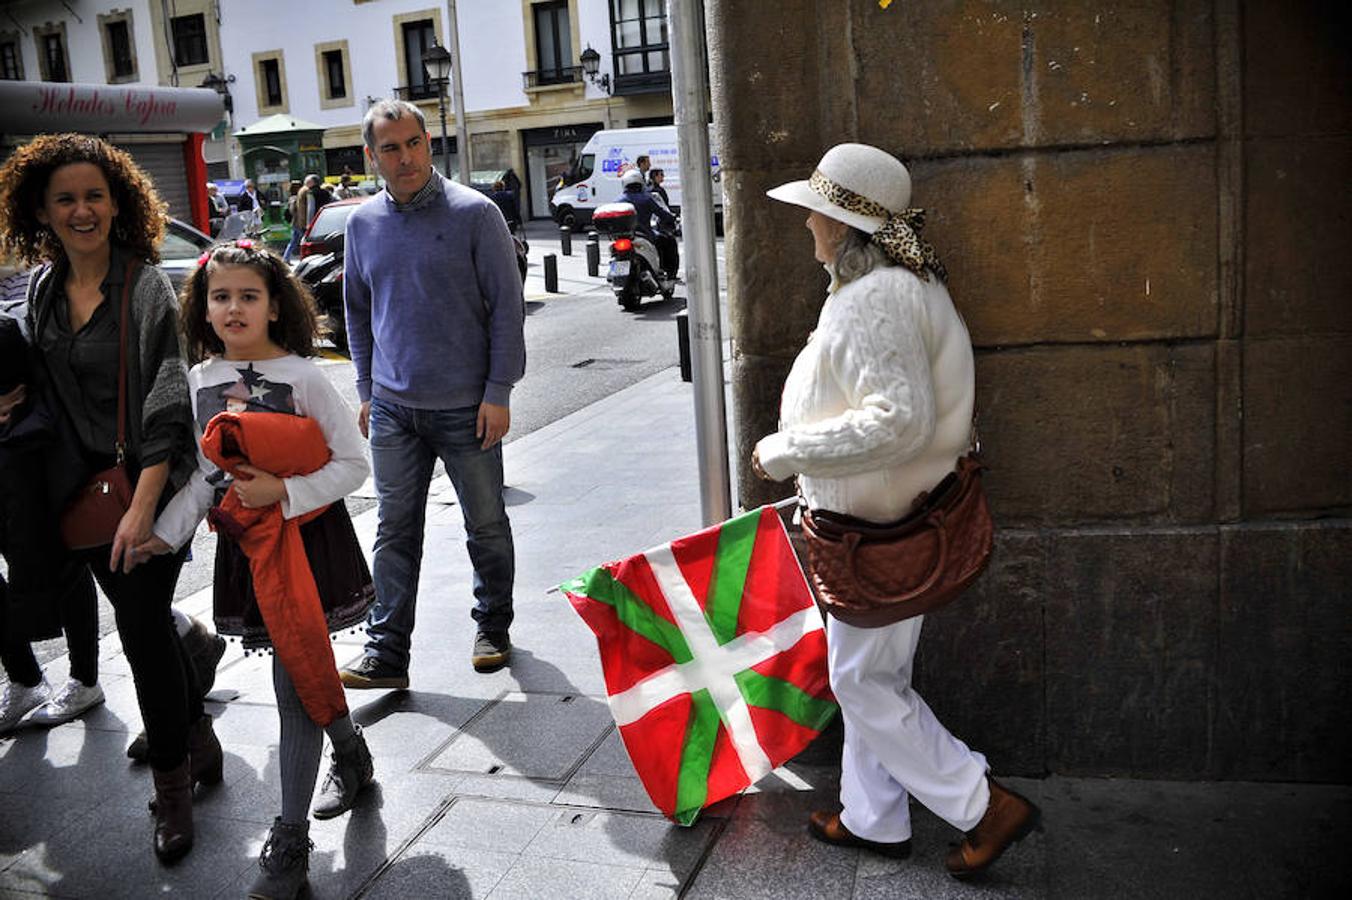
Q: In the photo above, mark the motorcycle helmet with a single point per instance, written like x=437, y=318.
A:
x=631, y=179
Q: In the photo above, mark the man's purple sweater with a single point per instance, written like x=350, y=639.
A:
x=434, y=308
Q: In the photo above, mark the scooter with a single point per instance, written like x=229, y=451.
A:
x=635, y=264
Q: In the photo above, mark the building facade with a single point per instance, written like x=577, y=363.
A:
x=529, y=106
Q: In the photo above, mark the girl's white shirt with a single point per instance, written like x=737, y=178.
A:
x=270, y=380
x=878, y=406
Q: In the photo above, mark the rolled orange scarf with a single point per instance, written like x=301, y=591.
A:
x=283, y=584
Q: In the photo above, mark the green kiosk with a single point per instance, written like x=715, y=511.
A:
x=279, y=151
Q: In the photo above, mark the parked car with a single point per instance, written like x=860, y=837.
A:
x=180, y=249
x=320, y=266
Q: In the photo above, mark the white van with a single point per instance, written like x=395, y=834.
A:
x=595, y=178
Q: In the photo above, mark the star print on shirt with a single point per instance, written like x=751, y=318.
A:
x=250, y=393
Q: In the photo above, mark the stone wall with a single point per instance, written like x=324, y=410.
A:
x=1143, y=210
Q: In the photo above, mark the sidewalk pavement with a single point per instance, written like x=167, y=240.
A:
x=515, y=785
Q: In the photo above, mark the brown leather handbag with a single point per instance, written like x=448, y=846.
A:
x=869, y=575
x=91, y=517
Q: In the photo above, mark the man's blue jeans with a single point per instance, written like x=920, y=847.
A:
x=405, y=443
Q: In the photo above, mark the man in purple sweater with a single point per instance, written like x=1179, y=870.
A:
x=435, y=320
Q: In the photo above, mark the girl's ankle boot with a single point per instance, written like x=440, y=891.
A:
x=284, y=864
x=204, y=750
x=173, y=812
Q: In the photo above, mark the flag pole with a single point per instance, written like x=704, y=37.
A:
x=690, y=97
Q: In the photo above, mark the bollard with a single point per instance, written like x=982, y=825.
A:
x=551, y=273
x=683, y=342
x=593, y=258
x=566, y=238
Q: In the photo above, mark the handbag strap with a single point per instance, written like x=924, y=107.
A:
x=121, y=446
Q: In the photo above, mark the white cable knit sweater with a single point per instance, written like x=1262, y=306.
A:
x=878, y=405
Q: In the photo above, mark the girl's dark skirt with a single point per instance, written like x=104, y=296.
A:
x=340, y=572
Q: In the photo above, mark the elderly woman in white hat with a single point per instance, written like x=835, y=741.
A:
x=876, y=409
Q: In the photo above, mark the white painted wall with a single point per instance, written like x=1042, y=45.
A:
x=84, y=44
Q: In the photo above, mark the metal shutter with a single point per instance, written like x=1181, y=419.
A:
x=163, y=162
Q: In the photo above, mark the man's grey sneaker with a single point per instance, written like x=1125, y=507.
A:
x=492, y=651
x=73, y=700
x=370, y=672
x=284, y=863
x=18, y=701
x=350, y=771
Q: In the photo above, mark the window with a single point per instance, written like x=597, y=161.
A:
x=553, y=44
x=639, y=30
x=54, y=55
x=333, y=72
x=11, y=63
x=270, y=75
x=419, y=37
x=119, y=47
x=190, y=39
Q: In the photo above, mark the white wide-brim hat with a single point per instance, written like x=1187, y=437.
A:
x=878, y=177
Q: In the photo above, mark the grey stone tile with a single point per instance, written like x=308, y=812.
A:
x=534, y=735
x=64, y=762
x=656, y=885
x=507, y=787
x=478, y=824
x=28, y=822
x=533, y=878
x=620, y=839
x=768, y=858
x=109, y=855
x=615, y=792
x=442, y=872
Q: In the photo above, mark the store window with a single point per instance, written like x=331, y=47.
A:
x=553, y=44
x=190, y=39
x=639, y=37
x=119, y=47
x=333, y=73
x=53, y=64
x=419, y=37
x=272, y=82
x=11, y=60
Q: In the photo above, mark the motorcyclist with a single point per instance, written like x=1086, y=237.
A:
x=648, y=207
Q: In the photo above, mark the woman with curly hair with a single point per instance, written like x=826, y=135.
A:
x=85, y=208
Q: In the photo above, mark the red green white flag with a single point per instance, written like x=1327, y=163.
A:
x=714, y=658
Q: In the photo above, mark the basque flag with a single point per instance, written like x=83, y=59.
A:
x=714, y=657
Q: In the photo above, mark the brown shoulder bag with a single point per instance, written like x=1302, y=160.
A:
x=869, y=575
x=91, y=517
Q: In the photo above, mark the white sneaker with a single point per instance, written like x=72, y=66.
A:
x=74, y=698
x=18, y=700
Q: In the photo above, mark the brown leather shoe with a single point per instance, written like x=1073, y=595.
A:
x=173, y=813
x=827, y=828
x=1008, y=819
x=204, y=753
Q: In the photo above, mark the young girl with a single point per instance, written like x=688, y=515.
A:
x=249, y=326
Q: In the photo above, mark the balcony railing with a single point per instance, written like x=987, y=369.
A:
x=545, y=77
x=424, y=91
x=643, y=83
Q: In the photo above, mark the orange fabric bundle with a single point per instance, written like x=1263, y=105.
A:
x=283, y=584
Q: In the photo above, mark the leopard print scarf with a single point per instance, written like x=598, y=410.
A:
x=899, y=237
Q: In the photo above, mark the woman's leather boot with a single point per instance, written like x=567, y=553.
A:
x=208, y=762
x=173, y=812
x=284, y=863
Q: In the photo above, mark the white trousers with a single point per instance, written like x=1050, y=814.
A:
x=894, y=745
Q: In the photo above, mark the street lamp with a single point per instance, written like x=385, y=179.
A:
x=221, y=85
x=591, y=64
x=437, y=61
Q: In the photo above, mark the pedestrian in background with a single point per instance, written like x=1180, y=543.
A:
x=877, y=409
x=88, y=208
x=302, y=211
x=655, y=179
x=250, y=327
x=506, y=203
x=219, y=208
x=435, y=319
